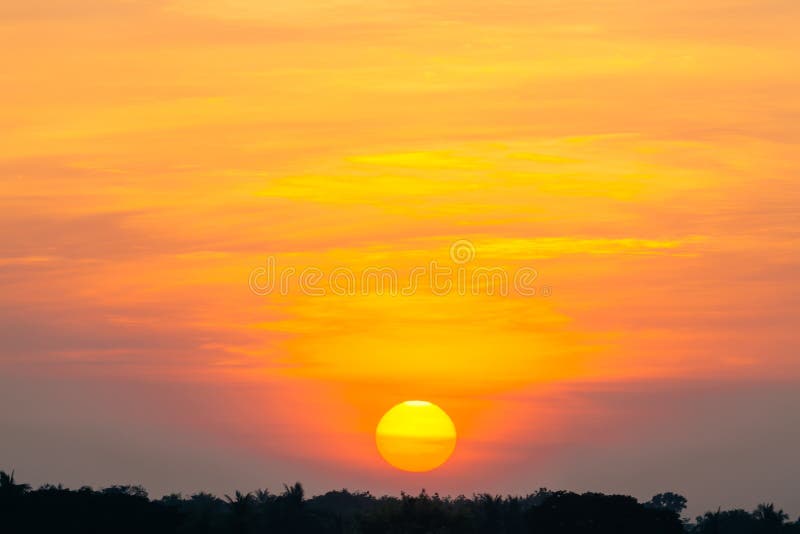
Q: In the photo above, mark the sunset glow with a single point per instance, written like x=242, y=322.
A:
x=636, y=162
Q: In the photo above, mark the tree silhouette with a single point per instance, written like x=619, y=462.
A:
x=242, y=508
x=570, y=513
x=125, y=509
x=763, y=520
x=668, y=501
x=770, y=520
x=9, y=488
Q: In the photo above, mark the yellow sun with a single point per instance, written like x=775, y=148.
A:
x=416, y=436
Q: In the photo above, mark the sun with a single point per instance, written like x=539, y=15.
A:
x=415, y=436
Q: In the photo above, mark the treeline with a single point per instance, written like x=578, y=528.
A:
x=128, y=509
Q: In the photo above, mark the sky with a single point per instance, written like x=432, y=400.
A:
x=639, y=158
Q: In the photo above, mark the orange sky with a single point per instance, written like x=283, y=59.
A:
x=641, y=157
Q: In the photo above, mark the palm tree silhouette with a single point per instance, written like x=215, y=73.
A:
x=294, y=494
x=771, y=519
x=9, y=488
x=241, y=506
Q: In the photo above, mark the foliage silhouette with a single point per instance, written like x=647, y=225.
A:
x=128, y=509
x=668, y=501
